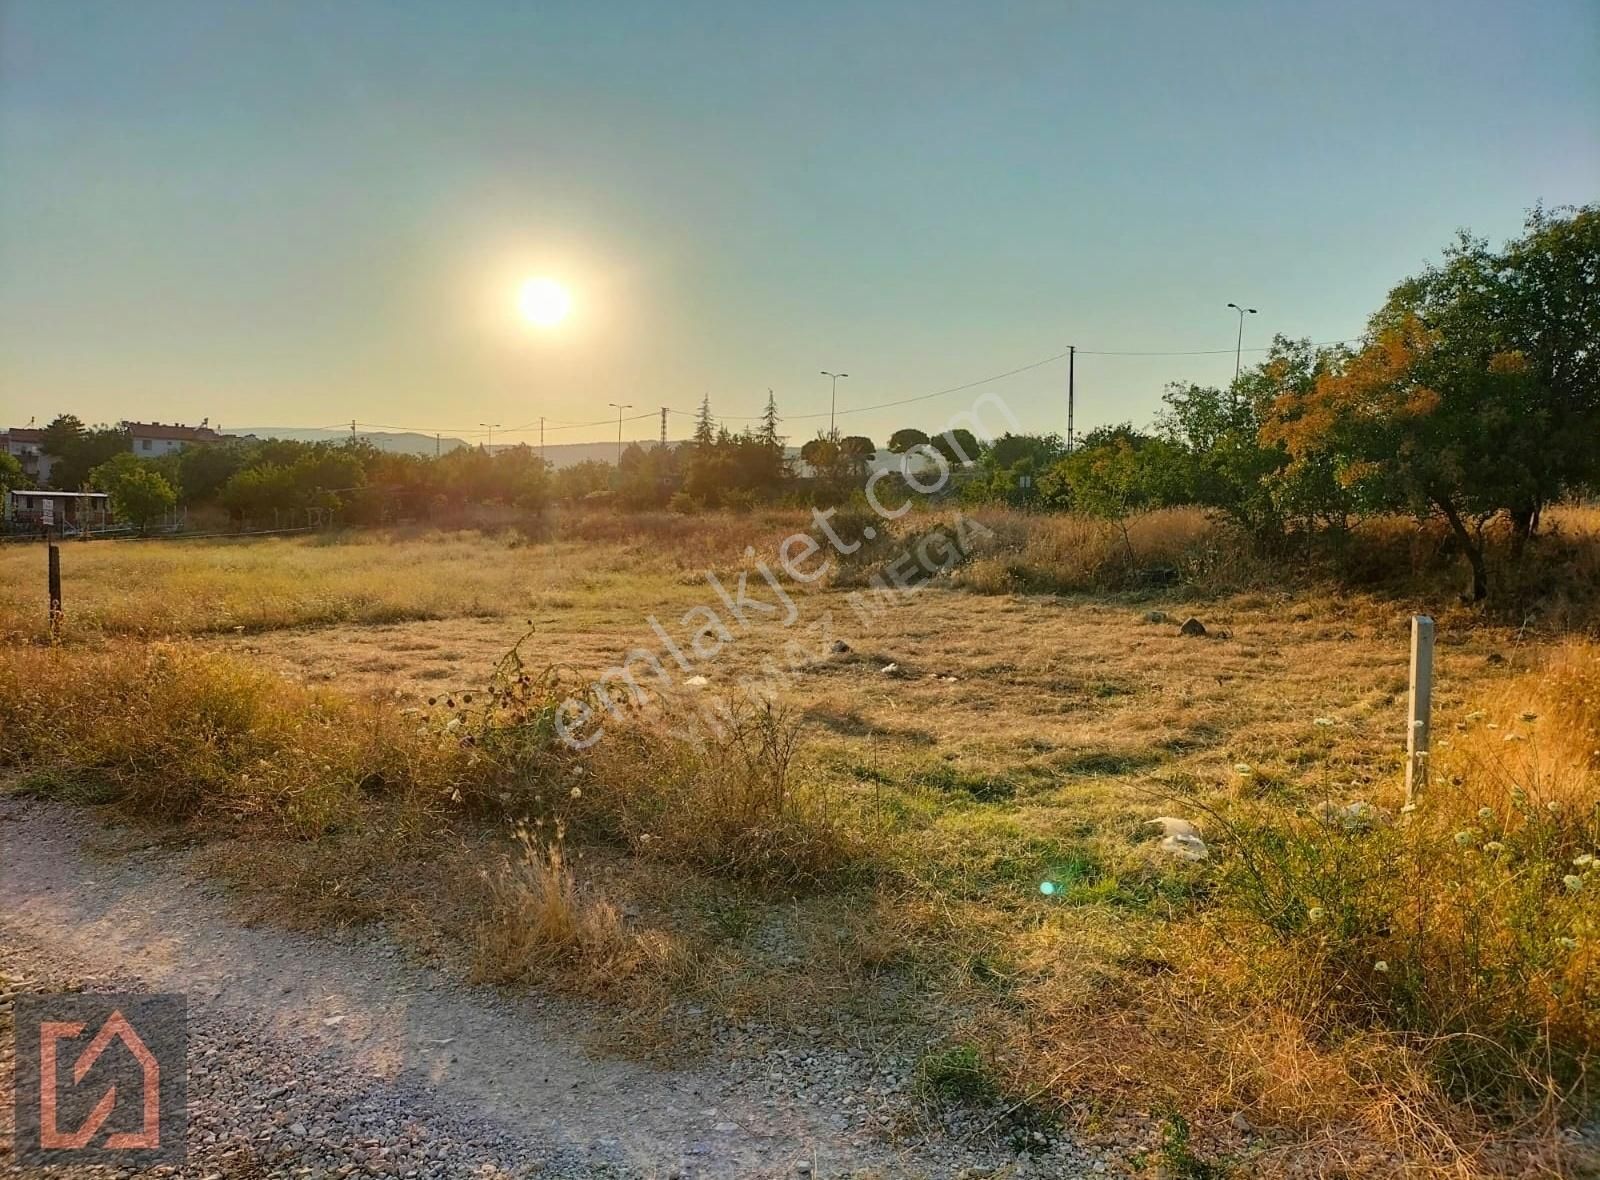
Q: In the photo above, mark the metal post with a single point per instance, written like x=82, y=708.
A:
x=55, y=591
x=1417, y=715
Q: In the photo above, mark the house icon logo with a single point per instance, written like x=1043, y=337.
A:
x=101, y=1078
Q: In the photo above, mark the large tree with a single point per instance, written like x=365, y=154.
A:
x=139, y=493
x=76, y=450
x=1476, y=392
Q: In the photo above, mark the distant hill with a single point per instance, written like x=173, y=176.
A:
x=395, y=443
x=558, y=455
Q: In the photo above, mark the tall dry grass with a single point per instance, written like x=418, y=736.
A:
x=1555, y=582
x=176, y=733
x=164, y=588
x=540, y=923
x=1390, y=991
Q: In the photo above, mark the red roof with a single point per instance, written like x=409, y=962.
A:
x=173, y=433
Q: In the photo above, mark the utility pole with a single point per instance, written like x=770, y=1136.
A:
x=436, y=444
x=619, y=409
x=490, y=427
x=833, y=401
x=541, y=438
x=663, y=425
x=352, y=428
x=1072, y=365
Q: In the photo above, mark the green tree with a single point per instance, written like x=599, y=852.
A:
x=1476, y=392
x=139, y=493
x=1110, y=482
x=256, y=493
x=905, y=438
x=11, y=475
x=76, y=450
x=959, y=446
x=705, y=427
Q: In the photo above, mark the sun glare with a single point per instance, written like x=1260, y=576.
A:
x=544, y=302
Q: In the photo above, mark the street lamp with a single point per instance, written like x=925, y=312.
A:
x=490, y=427
x=1239, y=344
x=619, y=409
x=833, y=401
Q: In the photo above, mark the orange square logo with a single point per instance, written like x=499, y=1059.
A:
x=101, y=1079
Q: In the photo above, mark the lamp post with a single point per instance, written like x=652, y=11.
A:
x=833, y=401
x=490, y=427
x=1238, y=346
x=619, y=409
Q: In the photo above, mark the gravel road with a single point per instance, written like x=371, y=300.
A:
x=322, y=1056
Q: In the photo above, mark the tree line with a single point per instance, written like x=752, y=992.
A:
x=1473, y=395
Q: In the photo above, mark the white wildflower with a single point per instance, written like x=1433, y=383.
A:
x=1573, y=882
x=1381, y=966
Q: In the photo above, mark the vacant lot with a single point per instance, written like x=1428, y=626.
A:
x=956, y=851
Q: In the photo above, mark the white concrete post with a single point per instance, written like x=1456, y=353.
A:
x=1417, y=716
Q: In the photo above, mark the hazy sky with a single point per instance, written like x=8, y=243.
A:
x=300, y=213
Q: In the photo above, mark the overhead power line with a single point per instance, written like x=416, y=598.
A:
x=553, y=424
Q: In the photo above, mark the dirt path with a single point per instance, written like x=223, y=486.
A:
x=341, y=1057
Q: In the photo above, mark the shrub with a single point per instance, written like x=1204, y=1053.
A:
x=540, y=923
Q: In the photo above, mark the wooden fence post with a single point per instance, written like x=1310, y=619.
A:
x=1418, y=715
x=55, y=591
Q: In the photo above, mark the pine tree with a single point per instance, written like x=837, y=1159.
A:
x=705, y=431
x=767, y=434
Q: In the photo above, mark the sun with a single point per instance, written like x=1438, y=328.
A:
x=544, y=302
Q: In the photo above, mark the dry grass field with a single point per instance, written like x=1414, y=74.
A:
x=940, y=831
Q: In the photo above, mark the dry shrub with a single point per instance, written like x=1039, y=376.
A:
x=1017, y=552
x=1213, y=1028
x=539, y=923
x=176, y=733
x=721, y=797
x=713, y=788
